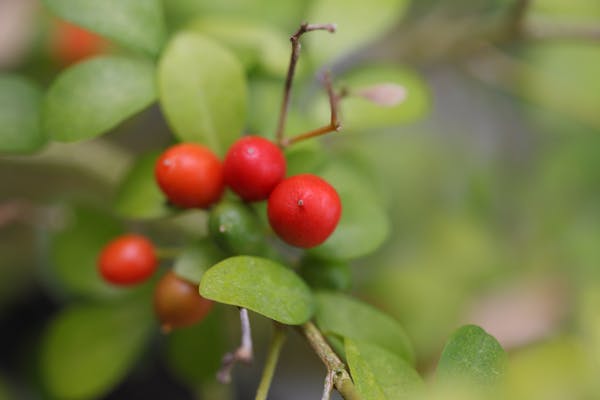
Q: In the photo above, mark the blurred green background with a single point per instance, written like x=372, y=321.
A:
x=489, y=173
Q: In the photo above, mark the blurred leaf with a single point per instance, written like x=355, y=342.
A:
x=260, y=285
x=345, y=316
x=556, y=369
x=138, y=195
x=305, y=157
x=196, y=259
x=19, y=115
x=75, y=252
x=283, y=14
x=202, y=91
x=194, y=353
x=380, y=374
x=359, y=113
x=364, y=225
x=134, y=23
x=93, y=97
x=473, y=355
x=88, y=349
x=358, y=24
x=563, y=77
x=255, y=44
x=574, y=10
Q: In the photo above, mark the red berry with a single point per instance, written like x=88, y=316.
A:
x=72, y=43
x=177, y=302
x=253, y=167
x=304, y=210
x=190, y=175
x=127, y=260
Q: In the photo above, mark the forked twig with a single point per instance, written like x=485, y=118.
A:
x=242, y=353
x=295, y=39
x=334, y=123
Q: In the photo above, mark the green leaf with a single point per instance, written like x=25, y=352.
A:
x=75, y=252
x=93, y=97
x=363, y=226
x=138, y=195
x=194, y=353
x=342, y=315
x=138, y=24
x=196, y=259
x=19, y=115
x=255, y=44
x=473, y=355
x=260, y=285
x=358, y=24
x=202, y=91
x=88, y=349
x=362, y=114
x=380, y=374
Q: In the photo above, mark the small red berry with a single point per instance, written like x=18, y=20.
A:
x=177, y=302
x=127, y=260
x=253, y=167
x=304, y=210
x=190, y=175
x=72, y=43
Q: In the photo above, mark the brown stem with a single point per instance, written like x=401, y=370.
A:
x=334, y=123
x=295, y=39
x=341, y=378
x=242, y=353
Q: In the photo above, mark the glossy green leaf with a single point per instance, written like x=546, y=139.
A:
x=345, y=316
x=194, y=353
x=196, y=259
x=358, y=24
x=138, y=195
x=362, y=114
x=380, y=374
x=19, y=115
x=134, y=23
x=75, y=252
x=260, y=285
x=472, y=354
x=202, y=91
x=88, y=349
x=363, y=226
x=256, y=45
x=93, y=97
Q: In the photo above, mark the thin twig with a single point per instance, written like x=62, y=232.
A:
x=328, y=386
x=272, y=358
x=242, y=353
x=295, y=39
x=341, y=378
x=561, y=30
x=334, y=123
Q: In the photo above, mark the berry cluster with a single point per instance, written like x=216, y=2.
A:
x=303, y=210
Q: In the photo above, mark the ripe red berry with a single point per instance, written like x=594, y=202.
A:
x=253, y=167
x=127, y=260
x=304, y=210
x=72, y=43
x=177, y=302
x=190, y=175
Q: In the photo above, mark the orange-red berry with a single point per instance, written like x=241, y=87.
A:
x=177, y=302
x=253, y=167
x=127, y=260
x=190, y=175
x=304, y=210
